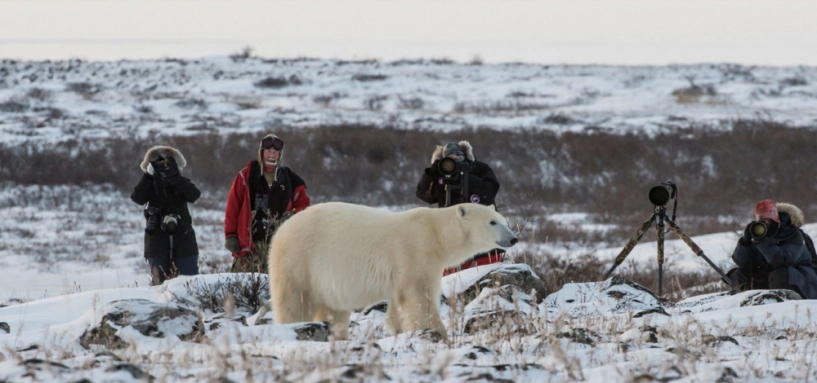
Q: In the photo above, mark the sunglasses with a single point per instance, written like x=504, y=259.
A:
x=273, y=143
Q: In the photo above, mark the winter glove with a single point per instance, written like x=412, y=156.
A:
x=231, y=244
x=166, y=170
x=434, y=170
x=746, y=239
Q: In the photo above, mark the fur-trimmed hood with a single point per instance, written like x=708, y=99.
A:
x=155, y=152
x=466, y=147
x=260, y=156
x=797, y=218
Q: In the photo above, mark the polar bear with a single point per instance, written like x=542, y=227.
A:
x=335, y=257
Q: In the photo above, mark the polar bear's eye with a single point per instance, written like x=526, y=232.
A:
x=493, y=223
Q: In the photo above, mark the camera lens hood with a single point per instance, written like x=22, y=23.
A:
x=660, y=195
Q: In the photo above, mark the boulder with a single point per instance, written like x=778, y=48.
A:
x=726, y=301
x=615, y=295
x=158, y=320
x=506, y=308
x=469, y=283
x=314, y=331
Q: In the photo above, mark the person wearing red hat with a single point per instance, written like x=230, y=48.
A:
x=782, y=258
x=263, y=195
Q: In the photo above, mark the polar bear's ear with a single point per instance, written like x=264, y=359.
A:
x=461, y=211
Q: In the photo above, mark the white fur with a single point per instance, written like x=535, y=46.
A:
x=335, y=257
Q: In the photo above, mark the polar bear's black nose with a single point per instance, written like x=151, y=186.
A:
x=514, y=241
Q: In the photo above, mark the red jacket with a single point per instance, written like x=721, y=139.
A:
x=238, y=215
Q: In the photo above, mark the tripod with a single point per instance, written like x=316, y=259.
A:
x=659, y=216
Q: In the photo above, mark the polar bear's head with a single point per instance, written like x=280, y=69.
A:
x=484, y=228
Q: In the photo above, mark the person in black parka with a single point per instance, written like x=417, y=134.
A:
x=482, y=189
x=165, y=194
x=779, y=260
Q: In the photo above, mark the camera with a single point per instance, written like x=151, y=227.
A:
x=170, y=224
x=663, y=193
x=152, y=220
x=450, y=168
x=758, y=229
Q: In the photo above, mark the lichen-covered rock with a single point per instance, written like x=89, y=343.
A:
x=519, y=275
x=314, y=331
x=503, y=309
x=158, y=320
x=615, y=295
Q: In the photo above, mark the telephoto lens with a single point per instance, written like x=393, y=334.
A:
x=170, y=224
x=448, y=166
x=758, y=229
x=660, y=195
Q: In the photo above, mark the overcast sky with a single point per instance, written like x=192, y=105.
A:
x=761, y=32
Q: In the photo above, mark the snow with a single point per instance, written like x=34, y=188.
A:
x=179, y=97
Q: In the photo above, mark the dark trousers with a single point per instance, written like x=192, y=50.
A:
x=160, y=267
x=744, y=279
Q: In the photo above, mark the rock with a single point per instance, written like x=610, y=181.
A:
x=379, y=306
x=135, y=371
x=711, y=340
x=314, y=331
x=764, y=297
x=504, y=309
x=45, y=364
x=654, y=310
x=519, y=275
x=727, y=376
x=580, y=335
x=5, y=327
x=476, y=351
x=615, y=295
x=104, y=335
x=149, y=318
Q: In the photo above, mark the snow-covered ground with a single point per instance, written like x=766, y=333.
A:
x=609, y=331
x=69, y=99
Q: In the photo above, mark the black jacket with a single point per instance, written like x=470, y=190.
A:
x=482, y=186
x=783, y=260
x=170, y=197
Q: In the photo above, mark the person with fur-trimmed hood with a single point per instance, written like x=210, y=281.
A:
x=482, y=189
x=262, y=196
x=165, y=194
x=783, y=258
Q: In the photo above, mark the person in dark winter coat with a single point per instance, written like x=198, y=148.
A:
x=482, y=189
x=165, y=194
x=262, y=196
x=779, y=260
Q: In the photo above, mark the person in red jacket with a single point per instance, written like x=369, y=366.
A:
x=263, y=195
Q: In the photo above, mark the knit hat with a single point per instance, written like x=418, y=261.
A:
x=453, y=148
x=767, y=209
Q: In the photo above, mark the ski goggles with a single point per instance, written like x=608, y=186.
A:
x=272, y=143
